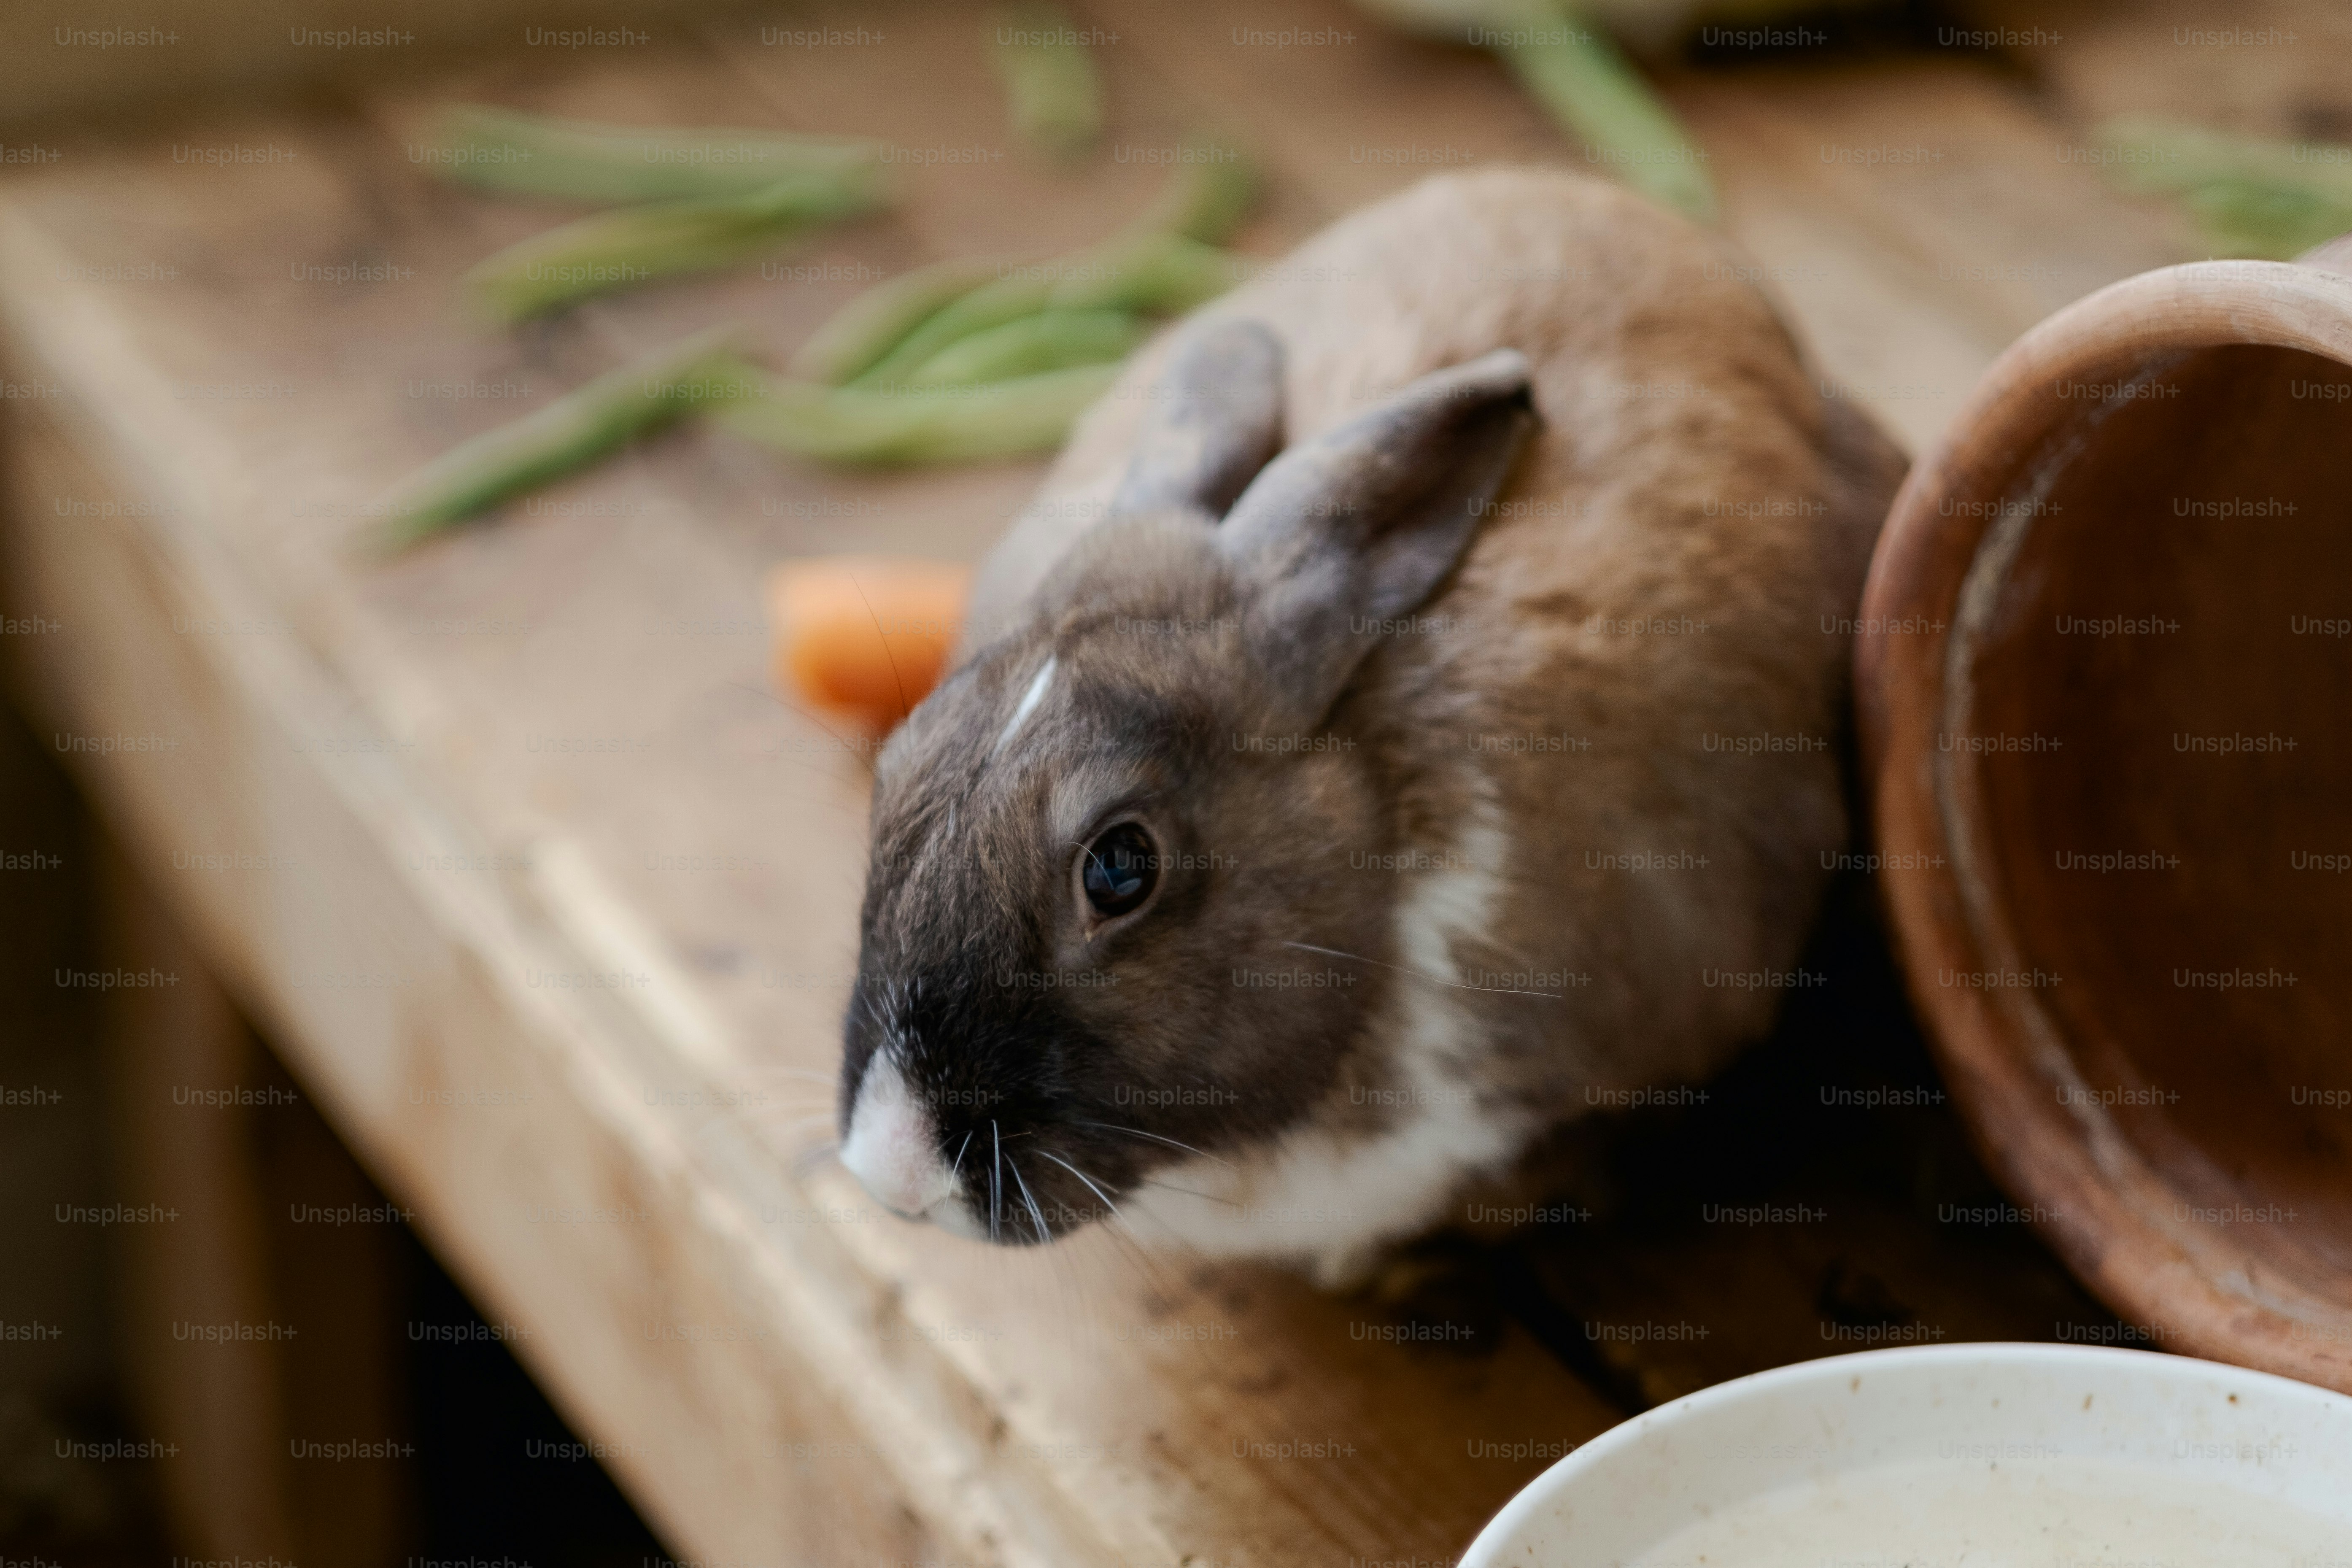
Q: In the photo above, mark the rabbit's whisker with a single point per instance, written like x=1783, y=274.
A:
x=1037, y=1215
x=905, y=706
x=1140, y=1133
x=1190, y=1193
x=1089, y=1182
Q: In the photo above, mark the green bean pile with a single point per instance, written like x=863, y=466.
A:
x=682, y=200
x=961, y=360
x=2248, y=196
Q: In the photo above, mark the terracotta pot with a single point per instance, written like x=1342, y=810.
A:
x=2107, y=729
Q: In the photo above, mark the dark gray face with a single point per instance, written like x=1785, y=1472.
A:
x=1095, y=841
x=1071, y=859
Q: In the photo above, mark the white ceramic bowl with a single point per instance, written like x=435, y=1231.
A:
x=1982, y=1456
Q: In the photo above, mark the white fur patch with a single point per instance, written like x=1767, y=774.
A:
x=1312, y=1195
x=893, y=1145
x=1028, y=703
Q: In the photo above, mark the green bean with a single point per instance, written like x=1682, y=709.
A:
x=2176, y=155
x=1161, y=274
x=1582, y=82
x=2242, y=217
x=854, y=338
x=580, y=425
x=634, y=244
x=1050, y=340
x=1057, y=96
x=1585, y=85
x=583, y=161
x=1001, y=300
x=1139, y=270
x=2251, y=197
x=1156, y=264
x=1205, y=198
x=926, y=425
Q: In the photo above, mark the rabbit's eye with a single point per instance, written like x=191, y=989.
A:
x=1120, y=867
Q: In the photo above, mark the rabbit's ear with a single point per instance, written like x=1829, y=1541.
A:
x=1215, y=419
x=1360, y=525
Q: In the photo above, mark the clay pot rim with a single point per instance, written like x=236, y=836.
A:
x=2105, y=1208
x=2195, y=305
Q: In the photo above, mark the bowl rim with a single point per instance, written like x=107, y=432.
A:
x=1485, y=1550
x=2100, y=1203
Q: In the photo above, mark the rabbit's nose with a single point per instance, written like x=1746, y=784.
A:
x=893, y=1147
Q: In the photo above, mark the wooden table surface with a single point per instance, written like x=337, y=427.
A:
x=549, y=904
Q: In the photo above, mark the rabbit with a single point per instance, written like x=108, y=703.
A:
x=1408, y=716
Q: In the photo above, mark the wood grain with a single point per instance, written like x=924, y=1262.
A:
x=558, y=925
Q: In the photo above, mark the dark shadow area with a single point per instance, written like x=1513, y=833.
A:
x=1821, y=1196
x=495, y=1473
x=495, y=1478
x=1832, y=34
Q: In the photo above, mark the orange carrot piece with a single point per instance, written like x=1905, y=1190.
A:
x=864, y=638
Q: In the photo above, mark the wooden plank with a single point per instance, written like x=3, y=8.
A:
x=58, y=58
x=395, y=968
x=2264, y=68
x=936, y=1368
x=1908, y=274
x=1905, y=278
x=930, y=1360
